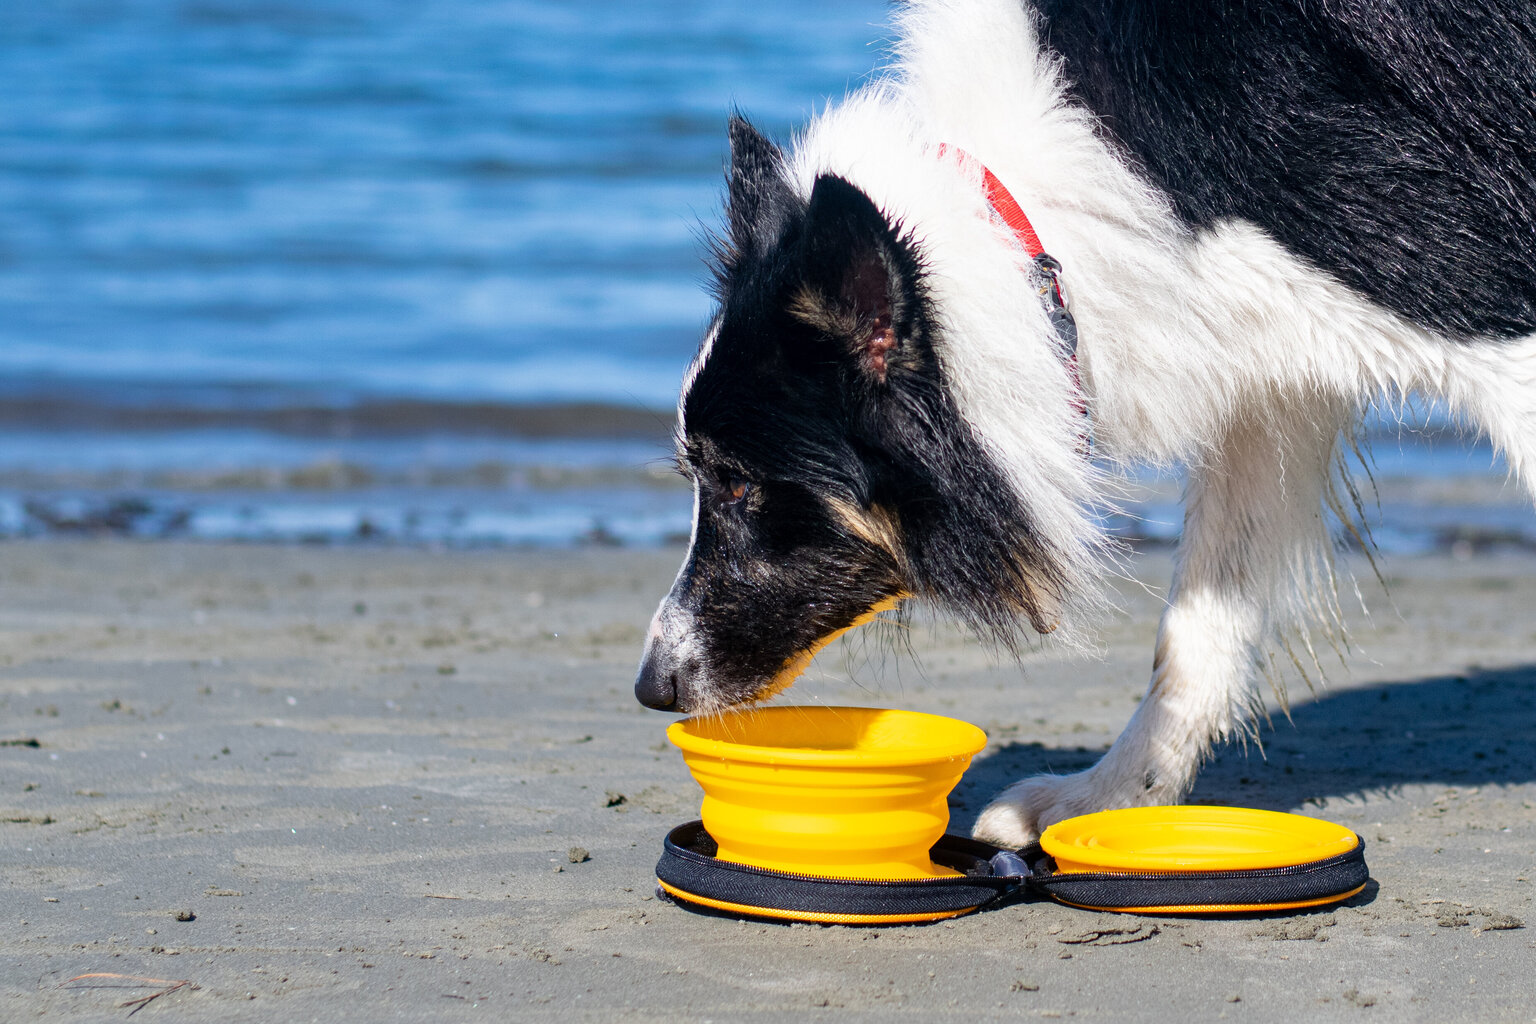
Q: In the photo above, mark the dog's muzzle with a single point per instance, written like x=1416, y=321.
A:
x=669, y=664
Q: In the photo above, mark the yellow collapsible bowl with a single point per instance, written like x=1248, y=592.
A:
x=1176, y=860
x=833, y=792
x=1163, y=840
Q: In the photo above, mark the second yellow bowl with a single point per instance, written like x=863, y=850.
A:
x=1164, y=840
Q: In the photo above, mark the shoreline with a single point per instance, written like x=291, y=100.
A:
x=639, y=503
x=364, y=770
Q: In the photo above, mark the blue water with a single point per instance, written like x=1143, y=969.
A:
x=216, y=206
x=457, y=198
x=238, y=238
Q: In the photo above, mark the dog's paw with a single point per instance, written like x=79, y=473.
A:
x=1025, y=809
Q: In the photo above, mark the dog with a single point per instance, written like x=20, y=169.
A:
x=1243, y=223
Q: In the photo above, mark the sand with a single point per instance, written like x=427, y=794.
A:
x=412, y=785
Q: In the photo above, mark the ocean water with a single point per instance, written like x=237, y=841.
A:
x=463, y=198
x=388, y=271
x=281, y=269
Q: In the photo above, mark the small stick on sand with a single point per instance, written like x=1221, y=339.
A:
x=134, y=982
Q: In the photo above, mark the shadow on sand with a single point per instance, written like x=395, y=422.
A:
x=1461, y=730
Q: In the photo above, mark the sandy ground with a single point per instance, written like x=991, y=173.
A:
x=362, y=774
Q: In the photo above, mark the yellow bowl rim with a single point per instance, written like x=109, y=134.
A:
x=1302, y=840
x=751, y=753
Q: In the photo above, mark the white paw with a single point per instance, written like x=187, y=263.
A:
x=1025, y=809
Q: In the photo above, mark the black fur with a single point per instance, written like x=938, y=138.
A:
x=1392, y=143
x=760, y=199
x=809, y=420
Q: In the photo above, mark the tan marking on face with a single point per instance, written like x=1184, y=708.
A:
x=797, y=663
x=874, y=525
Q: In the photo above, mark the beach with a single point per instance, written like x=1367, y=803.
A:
x=398, y=783
x=339, y=355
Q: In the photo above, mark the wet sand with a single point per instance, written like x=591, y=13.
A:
x=413, y=785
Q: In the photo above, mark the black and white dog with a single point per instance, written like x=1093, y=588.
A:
x=1270, y=214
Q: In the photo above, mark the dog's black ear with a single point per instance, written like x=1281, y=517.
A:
x=760, y=198
x=860, y=280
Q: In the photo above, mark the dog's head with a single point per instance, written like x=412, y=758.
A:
x=832, y=471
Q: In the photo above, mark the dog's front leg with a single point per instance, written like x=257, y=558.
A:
x=1253, y=560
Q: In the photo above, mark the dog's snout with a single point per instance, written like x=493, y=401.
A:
x=656, y=685
x=670, y=663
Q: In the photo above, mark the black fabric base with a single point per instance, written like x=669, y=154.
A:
x=689, y=864
x=1259, y=888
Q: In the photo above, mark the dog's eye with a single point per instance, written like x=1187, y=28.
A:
x=734, y=491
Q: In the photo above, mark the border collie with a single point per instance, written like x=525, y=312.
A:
x=1267, y=214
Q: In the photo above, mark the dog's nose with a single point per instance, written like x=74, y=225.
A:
x=656, y=685
x=670, y=668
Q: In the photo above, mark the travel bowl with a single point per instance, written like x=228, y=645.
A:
x=837, y=815
x=833, y=792
x=1197, y=860
x=1166, y=840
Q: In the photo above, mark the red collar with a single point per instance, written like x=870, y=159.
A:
x=1001, y=200
x=1045, y=272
